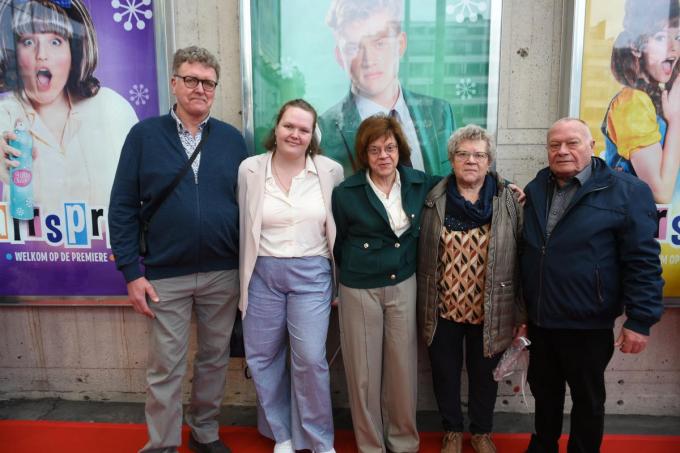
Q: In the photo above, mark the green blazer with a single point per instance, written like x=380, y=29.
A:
x=432, y=117
x=367, y=252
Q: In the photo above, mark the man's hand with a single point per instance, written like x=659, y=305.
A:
x=137, y=291
x=631, y=342
x=519, y=331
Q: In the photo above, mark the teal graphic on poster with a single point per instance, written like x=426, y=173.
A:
x=426, y=60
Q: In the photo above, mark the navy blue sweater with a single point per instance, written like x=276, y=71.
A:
x=196, y=227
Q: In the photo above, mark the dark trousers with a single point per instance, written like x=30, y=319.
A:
x=577, y=358
x=446, y=358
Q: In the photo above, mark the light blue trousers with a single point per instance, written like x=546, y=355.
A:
x=289, y=303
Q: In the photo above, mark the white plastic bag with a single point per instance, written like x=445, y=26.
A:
x=515, y=359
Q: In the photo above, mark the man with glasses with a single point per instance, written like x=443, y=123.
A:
x=369, y=45
x=191, y=263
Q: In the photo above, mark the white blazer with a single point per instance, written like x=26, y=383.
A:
x=251, y=183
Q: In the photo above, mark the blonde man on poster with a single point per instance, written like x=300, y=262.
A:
x=369, y=45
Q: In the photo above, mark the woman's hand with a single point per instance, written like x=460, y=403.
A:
x=670, y=102
x=521, y=196
x=7, y=153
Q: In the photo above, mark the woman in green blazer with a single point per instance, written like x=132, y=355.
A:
x=377, y=215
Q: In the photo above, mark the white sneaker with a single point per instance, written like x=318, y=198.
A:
x=284, y=447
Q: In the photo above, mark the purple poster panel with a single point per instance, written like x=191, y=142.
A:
x=76, y=75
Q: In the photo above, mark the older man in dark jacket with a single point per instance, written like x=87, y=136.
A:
x=589, y=253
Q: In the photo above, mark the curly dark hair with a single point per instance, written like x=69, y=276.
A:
x=643, y=18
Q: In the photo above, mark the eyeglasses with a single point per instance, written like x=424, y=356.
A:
x=389, y=149
x=462, y=156
x=192, y=82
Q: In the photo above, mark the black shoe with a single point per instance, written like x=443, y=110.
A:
x=211, y=447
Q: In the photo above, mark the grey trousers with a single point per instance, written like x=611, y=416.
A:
x=379, y=351
x=213, y=296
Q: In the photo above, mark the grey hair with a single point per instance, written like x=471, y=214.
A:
x=471, y=132
x=195, y=54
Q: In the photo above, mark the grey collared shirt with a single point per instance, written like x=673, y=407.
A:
x=562, y=196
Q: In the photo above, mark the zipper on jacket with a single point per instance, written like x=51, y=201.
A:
x=198, y=211
x=540, y=283
x=546, y=238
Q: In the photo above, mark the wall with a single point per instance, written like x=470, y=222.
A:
x=100, y=353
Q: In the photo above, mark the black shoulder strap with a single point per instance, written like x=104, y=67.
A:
x=156, y=203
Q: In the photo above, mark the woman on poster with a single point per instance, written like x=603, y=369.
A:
x=48, y=55
x=642, y=124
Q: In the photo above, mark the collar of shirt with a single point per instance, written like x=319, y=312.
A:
x=580, y=178
x=39, y=129
x=180, y=126
x=309, y=168
x=380, y=193
x=367, y=107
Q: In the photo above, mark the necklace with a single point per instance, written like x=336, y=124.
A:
x=285, y=188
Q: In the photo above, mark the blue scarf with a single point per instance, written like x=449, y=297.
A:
x=461, y=215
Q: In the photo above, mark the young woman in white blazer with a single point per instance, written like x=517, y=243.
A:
x=287, y=278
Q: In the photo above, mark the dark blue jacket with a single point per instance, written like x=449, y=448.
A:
x=600, y=258
x=196, y=228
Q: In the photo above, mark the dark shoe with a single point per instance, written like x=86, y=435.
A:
x=452, y=442
x=482, y=443
x=211, y=447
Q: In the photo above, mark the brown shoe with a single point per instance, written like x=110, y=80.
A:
x=482, y=443
x=452, y=442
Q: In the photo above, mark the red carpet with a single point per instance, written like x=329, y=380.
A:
x=18, y=436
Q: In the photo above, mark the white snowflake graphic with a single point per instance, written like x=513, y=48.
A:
x=133, y=10
x=19, y=212
x=287, y=67
x=466, y=88
x=466, y=9
x=139, y=94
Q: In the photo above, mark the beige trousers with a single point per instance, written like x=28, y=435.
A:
x=213, y=296
x=379, y=351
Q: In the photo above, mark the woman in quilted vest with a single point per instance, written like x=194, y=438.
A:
x=467, y=284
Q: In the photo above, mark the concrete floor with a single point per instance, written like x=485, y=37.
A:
x=110, y=412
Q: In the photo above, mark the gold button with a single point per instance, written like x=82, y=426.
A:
x=365, y=245
x=397, y=245
x=393, y=277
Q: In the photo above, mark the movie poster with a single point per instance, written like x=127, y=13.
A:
x=631, y=101
x=430, y=63
x=76, y=74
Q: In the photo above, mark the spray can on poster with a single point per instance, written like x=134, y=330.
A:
x=21, y=177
